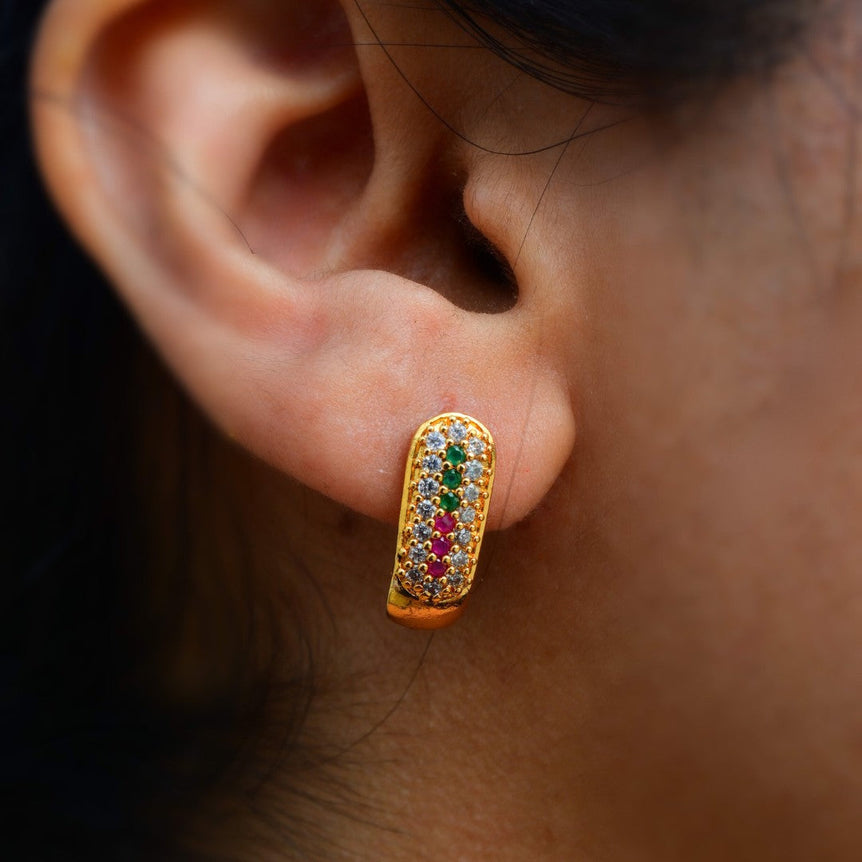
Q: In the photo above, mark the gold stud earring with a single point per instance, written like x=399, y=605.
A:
x=444, y=509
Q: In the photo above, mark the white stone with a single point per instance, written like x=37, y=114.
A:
x=432, y=464
x=473, y=469
x=433, y=587
x=460, y=559
x=422, y=532
x=468, y=515
x=418, y=554
x=475, y=446
x=471, y=493
x=435, y=441
x=463, y=538
x=457, y=431
x=428, y=487
x=426, y=509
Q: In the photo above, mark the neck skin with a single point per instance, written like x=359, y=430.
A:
x=456, y=744
x=465, y=742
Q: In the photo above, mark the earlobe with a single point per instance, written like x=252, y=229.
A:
x=232, y=199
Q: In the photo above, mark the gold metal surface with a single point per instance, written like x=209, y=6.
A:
x=435, y=568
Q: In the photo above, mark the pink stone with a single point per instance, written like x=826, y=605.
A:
x=445, y=524
x=436, y=569
x=440, y=547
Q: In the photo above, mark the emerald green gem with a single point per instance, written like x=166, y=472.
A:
x=449, y=502
x=455, y=455
x=452, y=479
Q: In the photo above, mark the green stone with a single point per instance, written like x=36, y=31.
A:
x=452, y=479
x=449, y=502
x=455, y=455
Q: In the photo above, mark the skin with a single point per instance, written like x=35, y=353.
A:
x=661, y=658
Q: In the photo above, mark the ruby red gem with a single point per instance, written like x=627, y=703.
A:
x=440, y=547
x=436, y=569
x=445, y=524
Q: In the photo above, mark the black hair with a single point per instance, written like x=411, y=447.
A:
x=97, y=758
x=612, y=50
x=92, y=757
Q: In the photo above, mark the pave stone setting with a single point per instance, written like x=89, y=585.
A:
x=450, y=476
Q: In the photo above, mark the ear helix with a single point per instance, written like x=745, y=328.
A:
x=444, y=507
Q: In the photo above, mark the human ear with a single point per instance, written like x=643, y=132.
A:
x=266, y=199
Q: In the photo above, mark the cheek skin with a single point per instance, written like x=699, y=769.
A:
x=717, y=490
x=687, y=595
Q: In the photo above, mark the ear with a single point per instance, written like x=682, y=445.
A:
x=235, y=169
